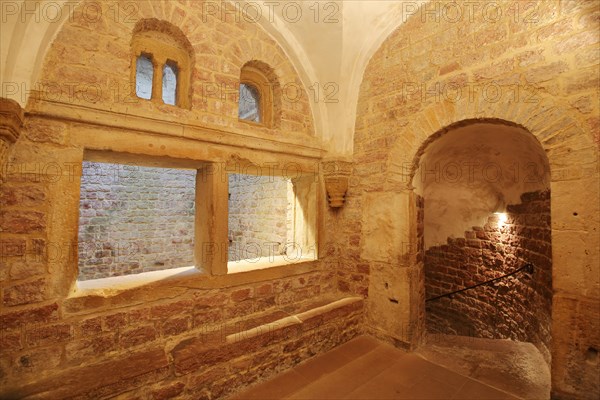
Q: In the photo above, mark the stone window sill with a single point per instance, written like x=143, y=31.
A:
x=235, y=267
x=124, y=291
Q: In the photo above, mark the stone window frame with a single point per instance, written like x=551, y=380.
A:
x=304, y=220
x=252, y=76
x=211, y=236
x=162, y=48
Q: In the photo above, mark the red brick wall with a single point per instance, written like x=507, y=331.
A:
x=259, y=220
x=142, y=344
x=134, y=219
x=517, y=307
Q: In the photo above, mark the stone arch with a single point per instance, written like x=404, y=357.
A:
x=398, y=114
x=266, y=79
x=451, y=206
x=566, y=144
x=290, y=98
x=166, y=27
x=561, y=137
x=166, y=44
x=218, y=48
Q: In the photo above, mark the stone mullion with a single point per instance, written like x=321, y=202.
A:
x=157, y=86
x=211, y=239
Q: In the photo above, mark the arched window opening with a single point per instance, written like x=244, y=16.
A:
x=169, y=84
x=249, y=104
x=162, y=61
x=144, y=74
x=259, y=90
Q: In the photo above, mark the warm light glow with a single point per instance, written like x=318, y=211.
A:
x=502, y=217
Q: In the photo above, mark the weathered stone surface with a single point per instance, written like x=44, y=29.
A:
x=22, y=221
x=31, y=315
x=192, y=354
x=11, y=340
x=49, y=334
x=381, y=231
x=12, y=247
x=137, y=336
x=25, y=196
x=34, y=362
x=25, y=293
x=402, y=109
x=91, y=347
x=167, y=392
x=575, y=353
x=10, y=129
x=241, y=295
x=26, y=269
x=93, y=378
x=39, y=130
x=367, y=249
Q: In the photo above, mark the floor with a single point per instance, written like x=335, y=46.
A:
x=365, y=368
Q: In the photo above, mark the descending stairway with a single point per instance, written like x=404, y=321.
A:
x=515, y=367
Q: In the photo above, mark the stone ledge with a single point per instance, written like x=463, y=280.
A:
x=318, y=312
x=194, y=353
x=138, y=291
x=96, y=120
x=262, y=329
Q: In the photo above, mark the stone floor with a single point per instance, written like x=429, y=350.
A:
x=365, y=368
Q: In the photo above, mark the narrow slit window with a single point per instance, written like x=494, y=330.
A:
x=144, y=74
x=169, y=88
x=249, y=104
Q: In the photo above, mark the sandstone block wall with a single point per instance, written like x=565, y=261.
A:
x=195, y=345
x=260, y=216
x=437, y=70
x=517, y=307
x=146, y=341
x=94, y=54
x=134, y=219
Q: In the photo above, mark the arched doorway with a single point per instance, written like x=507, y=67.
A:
x=483, y=192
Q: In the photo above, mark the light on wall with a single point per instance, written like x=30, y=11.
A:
x=502, y=217
x=500, y=212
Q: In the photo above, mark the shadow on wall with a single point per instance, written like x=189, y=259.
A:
x=517, y=307
x=486, y=213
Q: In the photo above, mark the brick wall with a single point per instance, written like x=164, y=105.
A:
x=260, y=215
x=518, y=307
x=166, y=347
x=148, y=341
x=405, y=103
x=138, y=219
x=134, y=219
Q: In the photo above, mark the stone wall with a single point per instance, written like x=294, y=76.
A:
x=437, y=71
x=518, y=307
x=260, y=216
x=198, y=345
x=55, y=335
x=151, y=340
x=134, y=219
x=95, y=55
